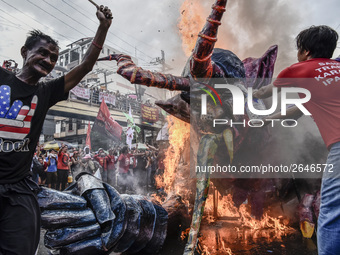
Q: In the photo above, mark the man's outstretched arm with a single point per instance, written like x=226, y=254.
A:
x=265, y=91
x=73, y=77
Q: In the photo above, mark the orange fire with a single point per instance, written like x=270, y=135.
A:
x=191, y=22
x=267, y=221
x=179, y=132
x=236, y=224
x=226, y=208
x=213, y=250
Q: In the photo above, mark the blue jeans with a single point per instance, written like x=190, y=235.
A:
x=329, y=218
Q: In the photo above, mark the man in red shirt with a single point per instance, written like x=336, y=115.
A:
x=63, y=167
x=320, y=75
x=101, y=159
x=123, y=169
x=111, y=167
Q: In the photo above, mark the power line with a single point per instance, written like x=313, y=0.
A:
x=83, y=25
x=109, y=31
x=55, y=17
x=6, y=21
x=14, y=18
x=39, y=22
x=337, y=27
x=66, y=23
x=13, y=26
x=52, y=16
x=42, y=9
x=69, y=16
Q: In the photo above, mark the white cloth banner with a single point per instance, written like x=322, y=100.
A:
x=108, y=98
x=81, y=92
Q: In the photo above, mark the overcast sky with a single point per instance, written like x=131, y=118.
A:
x=145, y=27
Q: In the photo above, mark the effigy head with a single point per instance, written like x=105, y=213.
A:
x=229, y=70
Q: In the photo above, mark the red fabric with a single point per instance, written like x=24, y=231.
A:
x=106, y=124
x=101, y=161
x=124, y=163
x=63, y=159
x=88, y=136
x=110, y=161
x=321, y=77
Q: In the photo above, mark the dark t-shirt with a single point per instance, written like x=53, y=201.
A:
x=22, y=112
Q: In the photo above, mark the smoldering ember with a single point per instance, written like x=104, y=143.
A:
x=131, y=154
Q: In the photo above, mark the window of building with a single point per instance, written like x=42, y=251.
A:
x=63, y=126
x=61, y=60
x=74, y=55
x=70, y=124
x=80, y=124
x=66, y=59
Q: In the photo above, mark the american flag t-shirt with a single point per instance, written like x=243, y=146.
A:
x=15, y=120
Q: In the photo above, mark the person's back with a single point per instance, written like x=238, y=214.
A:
x=320, y=75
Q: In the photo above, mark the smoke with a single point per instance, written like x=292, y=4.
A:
x=251, y=27
x=144, y=28
x=301, y=148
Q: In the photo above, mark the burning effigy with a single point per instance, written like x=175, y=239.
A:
x=190, y=132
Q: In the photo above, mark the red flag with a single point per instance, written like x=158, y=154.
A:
x=88, y=140
x=104, y=123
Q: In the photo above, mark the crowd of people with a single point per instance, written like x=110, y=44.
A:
x=113, y=99
x=126, y=170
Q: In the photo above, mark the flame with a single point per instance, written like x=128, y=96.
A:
x=226, y=207
x=185, y=233
x=237, y=224
x=191, y=22
x=267, y=222
x=207, y=250
x=170, y=181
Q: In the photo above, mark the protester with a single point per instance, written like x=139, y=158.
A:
x=123, y=170
x=111, y=161
x=317, y=73
x=148, y=168
x=63, y=167
x=133, y=160
x=76, y=163
x=88, y=164
x=140, y=169
x=20, y=214
x=51, y=171
x=42, y=173
x=35, y=169
x=101, y=159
